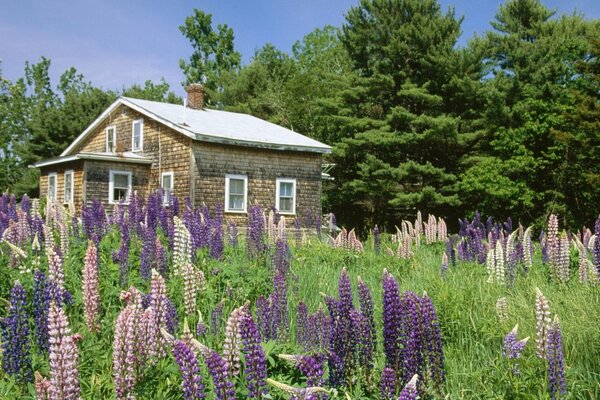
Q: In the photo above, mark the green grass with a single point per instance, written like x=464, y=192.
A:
x=465, y=303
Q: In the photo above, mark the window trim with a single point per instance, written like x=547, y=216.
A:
x=114, y=138
x=141, y=122
x=165, y=195
x=111, y=186
x=278, y=182
x=72, y=188
x=228, y=177
x=55, y=176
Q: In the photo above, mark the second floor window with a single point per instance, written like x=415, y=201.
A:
x=137, y=135
x=111, y=142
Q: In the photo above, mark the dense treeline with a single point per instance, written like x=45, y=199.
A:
x=508, y=124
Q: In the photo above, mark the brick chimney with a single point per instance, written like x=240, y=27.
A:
x=195, y=96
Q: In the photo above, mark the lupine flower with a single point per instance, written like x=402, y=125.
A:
x=16, y=357
x=365, y=301
x=513, y=348
x=56, y=273
x=148, y=248
x=191, y=283
x=91, y=295
x=191, y=380
x=232, y=233
x=555, y=357
x=182, y=252
x=444, y=267
x=41, y=306
x=302, y=329
x=376, y=240
x=254, y=355
x=432, y=340
x=562, y=259
x=216, y=236
x=64, y=374
x=596, y=253
x=409, y=392
x=365, y=343
x=387, y=389
x=256, y=231
x=159, y=302
x=216, y=317
x=528, y=248
x=233, y=341
x=391, y=320
x=42, y=387
x=124, y=352
x=282, y=256
x=542, y=318
x=309, y=393
x=552, y=240
x=217, y=367
x=502, y=309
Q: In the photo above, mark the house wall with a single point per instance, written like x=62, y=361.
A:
x=77, y=168
x=97, y=175
x=169, y=150
x=262, y=167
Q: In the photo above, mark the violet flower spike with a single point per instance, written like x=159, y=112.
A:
x=191, y=380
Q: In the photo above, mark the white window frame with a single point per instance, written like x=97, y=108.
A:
x=278, y=183
x=141, y=122
x=71, y=189
x=111, y=186
x=114, y=138
x=53, y=197
x=162, y=181
x=228, y=177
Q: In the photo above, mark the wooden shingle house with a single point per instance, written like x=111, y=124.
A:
x=213, y=157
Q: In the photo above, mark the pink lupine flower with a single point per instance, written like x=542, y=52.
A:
x=190, y=288
x=158, y=301
x=543, y=321
x=64, y=375
x=91, y=295
x=42, y=386
x=233, y=340
x=124, y=352
x=56, y=273
x=148, y=337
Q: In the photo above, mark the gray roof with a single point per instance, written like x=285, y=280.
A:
x=215, y=126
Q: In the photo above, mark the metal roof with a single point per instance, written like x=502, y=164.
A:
x=126, y=157
x=214, y=126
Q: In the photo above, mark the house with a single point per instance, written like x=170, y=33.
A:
x=211, y=156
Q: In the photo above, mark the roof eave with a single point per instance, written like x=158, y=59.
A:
x=263, y=145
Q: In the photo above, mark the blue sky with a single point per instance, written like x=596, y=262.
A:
x=115, y=43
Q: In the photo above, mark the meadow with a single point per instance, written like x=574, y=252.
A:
x=155, y=302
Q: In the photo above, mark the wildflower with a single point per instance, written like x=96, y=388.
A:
x=391, y=319
x=217, y=367
x=16, y=357
x=91, y=295
x=502, y=309
x=191, y=380
x=64, y=375
x=41, y=306
x=376, y=240
x=409, y=392
x=444, y=267
x=513, y=348
x=387, y=388
x=555, y=357
x=254, y=355
x=528, y=248
x=233, y=340
x=542, y=325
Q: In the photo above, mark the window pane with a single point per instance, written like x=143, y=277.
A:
x=285, y=204
x=121, y=180
x=119, y=194
x=51, y=187
x=68, y=184
x=166, y=183
x=236, y=186
x=236, y=202
x=285, y=189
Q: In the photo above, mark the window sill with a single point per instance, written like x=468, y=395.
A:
x=236, y=211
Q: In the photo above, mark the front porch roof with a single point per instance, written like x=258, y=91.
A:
x=127, y=157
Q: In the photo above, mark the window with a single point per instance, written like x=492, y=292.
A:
x=236, y=191
x=111, y=139
x=119, y=187
x=137, y=135
x=166, y=182
x=68, y=195
x=52, y=186
x=285, y=201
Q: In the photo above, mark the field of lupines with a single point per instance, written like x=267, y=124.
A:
x=154, y=302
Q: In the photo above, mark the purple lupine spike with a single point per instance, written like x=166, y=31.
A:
x=307, y=218
x=263, y=317
x=336, y=369
x=450, y=252
x=254, y=355
x=433, y=343
x=16, y=357
x=365, y=301
x=41, y=305
x=376, y=241
x=387, y=388
x=148, y=248
x=256, y=231
x=391, y=320
x=217, y=367
x=555, y=357
x=513, y=347
x=191, y=380
x=444, y=267
x=282, y=256
x=411, y=336
x=302, y=327
x=409, y=392
x=298, y=231
x=279, y=303
x=365, y=344
x=216, y=237
x=232, y=233
x=216, y=319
